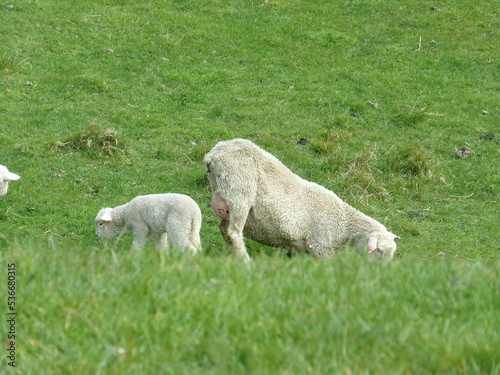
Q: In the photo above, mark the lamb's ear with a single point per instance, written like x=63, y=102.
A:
x=372, y=244
x=12, y=176
x=106, y=217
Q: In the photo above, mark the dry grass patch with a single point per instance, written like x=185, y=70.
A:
x=96, y=140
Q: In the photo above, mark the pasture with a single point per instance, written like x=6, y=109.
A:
x=393, y=105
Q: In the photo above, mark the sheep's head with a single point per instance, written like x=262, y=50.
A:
x=5, y=177
x=105, y=227
x=382, y=244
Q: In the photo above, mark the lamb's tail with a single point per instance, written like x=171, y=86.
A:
x=195, y=234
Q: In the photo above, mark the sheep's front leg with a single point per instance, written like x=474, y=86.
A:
x=233, y=235
x=232, y=224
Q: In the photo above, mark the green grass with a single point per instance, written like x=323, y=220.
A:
x=104, y=101
x=90, y=312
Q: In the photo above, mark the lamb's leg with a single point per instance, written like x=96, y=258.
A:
x=181, y=240
x=179, y=232
x=195, y=241
x=139, y=242
x=162, y=242
x=140, y=237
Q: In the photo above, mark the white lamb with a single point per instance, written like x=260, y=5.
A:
x=5, y=177
x=256, y=196
x=172, y=219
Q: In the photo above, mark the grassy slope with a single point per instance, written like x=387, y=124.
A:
x=165, y=74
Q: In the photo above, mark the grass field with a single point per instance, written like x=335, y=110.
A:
x=83, y=311
x=104, y=101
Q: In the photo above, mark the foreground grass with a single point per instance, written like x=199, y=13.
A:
x=84, y=312
x=174, y=77
x=104, y=101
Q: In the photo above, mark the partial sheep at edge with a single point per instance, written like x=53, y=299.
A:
x=5, y=177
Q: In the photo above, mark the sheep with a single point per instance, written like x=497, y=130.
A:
x=256, y=196
x=172, y=219
x=5, y=177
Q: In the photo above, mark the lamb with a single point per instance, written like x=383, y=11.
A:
x=256, y=196
x=172, y=219
x=5, y=177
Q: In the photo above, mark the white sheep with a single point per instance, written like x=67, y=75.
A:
x=256, y=196
x=172, y=219
x=5, y=177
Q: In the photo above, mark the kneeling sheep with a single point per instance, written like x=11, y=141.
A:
x=172, y=219
x=256, y=196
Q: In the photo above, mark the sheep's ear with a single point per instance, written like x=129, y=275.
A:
x=372, y=244
x=395, y=236
x=106, y=217
x=12, y=176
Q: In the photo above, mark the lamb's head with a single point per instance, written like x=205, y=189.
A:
x=105, y=227
x=382, y=245
x=5, y=177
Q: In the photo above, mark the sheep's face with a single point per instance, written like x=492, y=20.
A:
x=104, y=226
x=5, y=177
x=382, y=245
